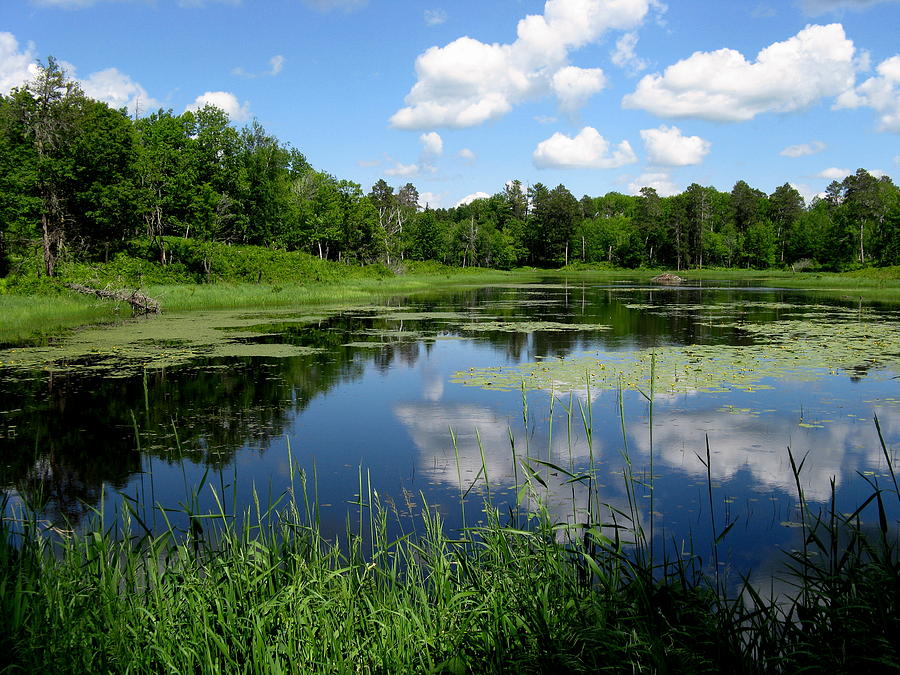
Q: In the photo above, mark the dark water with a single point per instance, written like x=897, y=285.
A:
x=383, y=411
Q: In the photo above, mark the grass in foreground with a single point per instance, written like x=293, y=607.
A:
x=267, y=592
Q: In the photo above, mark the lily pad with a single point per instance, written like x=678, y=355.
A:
x=800, y=350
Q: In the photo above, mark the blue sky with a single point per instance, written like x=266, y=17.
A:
x=458, y=97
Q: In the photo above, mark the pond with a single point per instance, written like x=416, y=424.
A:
x=433, y=396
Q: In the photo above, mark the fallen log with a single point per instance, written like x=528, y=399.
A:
x=667, y=278
x=138, y=301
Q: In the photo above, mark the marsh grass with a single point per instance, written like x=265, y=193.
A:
x=262, y=588
x=41, y=316
x=348, y=291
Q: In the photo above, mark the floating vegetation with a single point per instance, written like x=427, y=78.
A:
x=531, y=326
x=799, y=350
x=162, y=341
x=409, y=315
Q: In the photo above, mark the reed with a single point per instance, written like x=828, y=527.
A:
x=261, y=588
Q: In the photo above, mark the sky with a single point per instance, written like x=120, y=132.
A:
x=459, y=97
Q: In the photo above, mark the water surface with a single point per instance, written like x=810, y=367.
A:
x=153, y=407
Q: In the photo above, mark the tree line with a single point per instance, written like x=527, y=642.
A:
x=79, y=180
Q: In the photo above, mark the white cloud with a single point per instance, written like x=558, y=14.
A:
x=435, y=17
x=667, y=146
x=807, y=192
x=118, y=90
x=16, y=67
x=803, y=149
x=468, y=82
x=624, y=55
x=659, y=181
x=403, y=170
x=587, y=150
x=817, y=7
x=432, y=144
x=834, y=173
x=573, y=86
x=111, y=86
x=723, y=86
x=225, y=101
x=897, y=160
x=545, y=119
x=276, y=65
x=468, y=199
x=881, y=93
x=434, y=200
x=763, y=11
x=368, y=163
x=469, y=156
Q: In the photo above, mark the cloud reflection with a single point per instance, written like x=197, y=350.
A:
x=758, y=443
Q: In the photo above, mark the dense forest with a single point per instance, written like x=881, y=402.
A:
x=81, y=181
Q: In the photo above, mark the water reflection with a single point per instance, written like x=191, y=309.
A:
x=378, y=394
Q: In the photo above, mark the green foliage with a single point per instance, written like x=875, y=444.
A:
x=83, y=180
x=265, y=591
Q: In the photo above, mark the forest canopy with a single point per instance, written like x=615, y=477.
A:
x=81, y=181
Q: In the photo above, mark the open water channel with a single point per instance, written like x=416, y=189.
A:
x=161, y=408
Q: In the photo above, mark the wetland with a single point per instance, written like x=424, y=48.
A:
x=440, y=395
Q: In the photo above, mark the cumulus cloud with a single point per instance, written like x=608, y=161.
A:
x=111, y=86
x=667, y=146
x=16, y=67
x=573, y=86
x=467, y=82
x=225, y=101
x=118, y=90
x=432, y=144
x=276, y=65
x=807, y=192
x=403, y=170
x=834, y=173
x=660, y=181
x=624, y=55
x=723, y=86
x=817, y=7
x=435, y=17
x=433, y=200
x=881, y=93
x=469, y=156
x=468, y=199
x=803, y=149
x=587, y=150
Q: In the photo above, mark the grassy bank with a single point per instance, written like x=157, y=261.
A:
x=202, y=275
x=876, y=284
x=209, y=276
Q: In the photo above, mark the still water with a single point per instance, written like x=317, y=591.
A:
x=162, y=408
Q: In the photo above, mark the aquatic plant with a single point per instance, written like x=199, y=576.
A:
x=261, y=588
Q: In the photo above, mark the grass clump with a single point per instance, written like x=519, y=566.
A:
x=266, y=591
